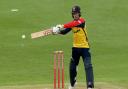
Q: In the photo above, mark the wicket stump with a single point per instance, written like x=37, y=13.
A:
x=58, y=57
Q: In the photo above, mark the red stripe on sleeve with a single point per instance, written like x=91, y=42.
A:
x=74, y=23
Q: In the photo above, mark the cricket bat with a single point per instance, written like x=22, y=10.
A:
x=41, y=33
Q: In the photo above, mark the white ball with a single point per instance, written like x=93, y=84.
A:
x=23, y=36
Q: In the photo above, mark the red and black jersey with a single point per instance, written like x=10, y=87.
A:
x=78, y=28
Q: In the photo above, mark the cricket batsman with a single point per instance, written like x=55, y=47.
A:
x=80, y=47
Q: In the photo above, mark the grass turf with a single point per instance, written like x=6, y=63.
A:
x=26, y=61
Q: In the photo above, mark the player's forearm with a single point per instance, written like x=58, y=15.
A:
x=65, y=31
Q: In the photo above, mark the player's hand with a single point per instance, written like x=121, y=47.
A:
x=55, y=30
x=60, y=26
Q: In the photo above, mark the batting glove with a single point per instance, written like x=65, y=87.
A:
x=60, y=26
x=55, y=30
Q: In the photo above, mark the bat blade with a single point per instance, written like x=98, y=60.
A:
x=41, y=33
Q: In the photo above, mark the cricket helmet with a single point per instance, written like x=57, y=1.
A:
x=76, y=9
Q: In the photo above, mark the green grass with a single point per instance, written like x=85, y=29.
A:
x=26, y=61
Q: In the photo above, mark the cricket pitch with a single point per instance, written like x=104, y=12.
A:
x=98, y=85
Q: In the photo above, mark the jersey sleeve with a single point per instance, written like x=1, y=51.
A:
x=74, y=23
x=65, y=31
